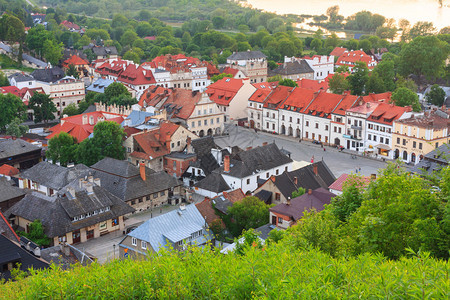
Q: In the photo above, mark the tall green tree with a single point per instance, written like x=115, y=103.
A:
x=250, y=212
x=43, y=108
x=338, y=84
x=11, y=107
x=62, y=148
x=53, y=51
x=405, y=97
x=358, y=78
x=436, y=95
x=15, y=128
x=425, y=55
x=344, y=205
x=71, y=110
x=36, y=38
x=36, y=233
x=3, y=79
x=72, y=71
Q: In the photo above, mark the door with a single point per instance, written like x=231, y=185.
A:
x=90, y=234
x=76, y=236
x=274, y=220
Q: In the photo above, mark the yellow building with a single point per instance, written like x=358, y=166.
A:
x=414, y=137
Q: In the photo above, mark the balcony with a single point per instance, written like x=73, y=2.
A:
x=351, y=137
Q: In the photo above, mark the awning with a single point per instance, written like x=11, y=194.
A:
x=383, y=146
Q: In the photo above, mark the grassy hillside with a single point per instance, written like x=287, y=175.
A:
x=273, y=272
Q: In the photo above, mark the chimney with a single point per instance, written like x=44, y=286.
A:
x=295, y=180
x=273, y=178
x=91, y=179
x=315, y=170
x=70, y=192
x=226, y=163
x=249, y=148
x=264, y=144
x=309, y=191
x=142, y=170
x=88, y=187
x=80, y=182
x=288, y=202
x=97, y=181
x=85, y=120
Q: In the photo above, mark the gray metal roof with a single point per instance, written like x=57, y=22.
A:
x=9, y=148
x=34, y=60
x=173, y=226
x=21, y=77
x=246, y=55
x=136, y=117
x=214, y=182
x=434, y=160
x=292, y=68
x=8, y=191
x=48, y=75
x=99, y=85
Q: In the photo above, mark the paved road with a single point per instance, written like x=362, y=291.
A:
x=338, y=162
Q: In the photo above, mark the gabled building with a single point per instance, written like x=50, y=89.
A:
x=140, y=187
x=287, y=214
x=173, y=230
x=434, y=161
x=80, y=211
x=271, y=107
x=8, y=171
x=294, y=70
x=19, y=154
x=321, y=64
x=278, y=189
x=338, y=186
x=356, y=124
x=231, y=96
x=416, y=136
x=252, y=63
x=349, y=58
x=80, y=64
x=256, y=103
x=10, y=194
x=82, y=126
x=21, y=80
x=150, y=146
x=237, y=74
x=70, y=26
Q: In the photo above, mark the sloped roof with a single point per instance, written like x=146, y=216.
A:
x=116, y=167
x=214, y=182
x=7, y=230
x=246, y=55
x=262, y=91
x=8, y=170
x=99, y=85
x=207, y=211
x=338, y=185
x=349, y=58
x=311, y=84
x=292, y=68
x=54, y=176
x=75, y=60
x=8, y=191
x=277, y=96
x=48, y=75
x=387, y=113
x=203, y=145
x=298, y=100
x=433, y=161
x=9, y=148
x=316, y=200
x=174, y=226
x=104, y=51
x=223, y=91
x=21, y=77
x=136, y=75
x=338, y=51
x=153, y=142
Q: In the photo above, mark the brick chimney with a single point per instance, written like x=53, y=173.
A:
x=226, y=163
x=188, y=145
x=295, y=180
x=316, y=172
x=264, y=144
x=142, y=170
x=309, y=191
x=249, y=148
x=288, y=202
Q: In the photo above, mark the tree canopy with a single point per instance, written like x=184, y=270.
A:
x=405, y=97
x=43, y=107
x=11, y=107
x=250, y=212
x=62, y=148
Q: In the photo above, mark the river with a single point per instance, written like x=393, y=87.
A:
x=411, y=10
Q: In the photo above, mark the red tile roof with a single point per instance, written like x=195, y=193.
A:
x=349, y=59
x=311, y=84
x=136, y=76
x=261, y=93
x=387, y=113
x=70, y=25
x=155, y=142
x=327, y=79
x=74, y=125
x=339, y=183
x=382, y=97
x=8, y=170
x=338, y=51
x=234, y=196
x=75, y=60
x=229, y=70
x=223, y=91
x=347, y=102
x=323, y=105
x=207, y=211
x=277, y=96
x=299, y=99
x=11, y=90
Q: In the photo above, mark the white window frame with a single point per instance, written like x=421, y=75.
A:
x=144, y=245
x=133, y=241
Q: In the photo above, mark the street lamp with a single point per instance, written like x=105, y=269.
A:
x=114, y=247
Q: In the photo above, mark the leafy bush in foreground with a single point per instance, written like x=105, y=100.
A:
x=275, y=271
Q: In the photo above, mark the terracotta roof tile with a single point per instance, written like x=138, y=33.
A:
x=8, y=170
x=223, y=91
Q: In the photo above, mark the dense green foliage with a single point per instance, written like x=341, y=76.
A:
x=36, y=233
x=16, y=129
x=11, y=107
x=358, y=78
x=116, y=93
x=288, y=82
x=274, y=272
x=249, y=213
x=62, y=148
x=436, y=95
x=43, y=107
x=405, y=97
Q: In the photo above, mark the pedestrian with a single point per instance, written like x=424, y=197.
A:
x=324, y=150
x=359, y=169
x=356, y=171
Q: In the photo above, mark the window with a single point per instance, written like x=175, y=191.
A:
x=420, y=146
x=282, y=118
x=317, y=125
x=133, y=241
x=133, y=202
x=178, y=143
x=193, y=124
x=155, y=195
x=199, y=123
x=143, y=244
x=267, y=174
x=398, y=140
x=307, y=123
x=386, y=141
x=374, y=138
x=212, y=121
x=298, y=121
x=276, y=172
x=115, y=222
x=199, y=112
x=340, y=129
x=174, y=165
x=162, y=193
x=273, y=116
x=273, y=126
x=404, y=142
x=414, y=144
x=205, y=122
x=280, y=220
x=381, y=139
x=248, y=181
x=277, y=196
x=437, y=144
x=173, y=145
x=290, y=119
x=369, y=137
x=326, y=127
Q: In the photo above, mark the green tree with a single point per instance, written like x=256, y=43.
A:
x=36, y=37
x=220, y=76
x=43, y=108
x=250, y=212
x=358, y=78
x=53, y=51
x=249, y=239
x=300, y=191
x=344, y=205
x=316, y=44
x=436, y=95
x=219, y=22
x=15, y=128
x=11, y=107
x=71, y=110
x=406, y=83
x=106, y=142
x=405, y=97
x=36, y=233
x=128, y=38
x=375, y=84
x=288, y=82
x=425, y=55
x=116, y=89
x=338, y=84
x=421, y=29
x=3, y=79
x=62, y=148
x=72, y=71
x=386, y=72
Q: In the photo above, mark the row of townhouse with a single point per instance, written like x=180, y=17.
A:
x=366, y=124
